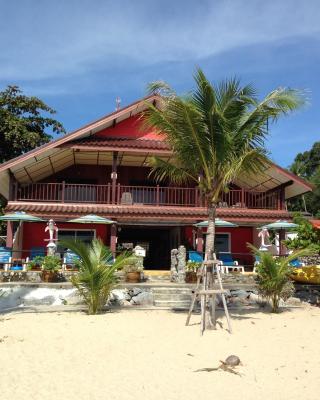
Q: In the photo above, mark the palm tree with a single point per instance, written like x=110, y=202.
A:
x=217, y=132
x=96, y=277
x=273, y=275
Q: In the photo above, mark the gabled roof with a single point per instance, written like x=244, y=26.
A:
x=85, y=131
x=118, y=131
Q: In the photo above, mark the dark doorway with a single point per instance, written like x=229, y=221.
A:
x=156, y=241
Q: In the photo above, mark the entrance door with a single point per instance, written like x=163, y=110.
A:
x=156, y=241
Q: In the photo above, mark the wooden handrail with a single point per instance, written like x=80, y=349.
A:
x=144, y=195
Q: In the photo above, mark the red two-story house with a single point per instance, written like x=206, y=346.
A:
x=102, y=168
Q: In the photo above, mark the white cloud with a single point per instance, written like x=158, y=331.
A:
x=45, y=40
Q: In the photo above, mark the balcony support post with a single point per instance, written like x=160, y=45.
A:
x=63, y=191
x=113, y=239
x=9, y=239
x=199, y=240
x=114, y=176
x=242, y=198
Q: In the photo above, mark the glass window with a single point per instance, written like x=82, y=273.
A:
x=84, y=236
x=222, y=243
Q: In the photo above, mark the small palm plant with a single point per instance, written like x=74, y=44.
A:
x=273, y=276
x=96, y=277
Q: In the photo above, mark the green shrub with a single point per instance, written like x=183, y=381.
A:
x=51, y=263
x=307, y=236
x=273, y=276
x=133, y=264
x=37, y=261
x=96, y=277
x=193, y=266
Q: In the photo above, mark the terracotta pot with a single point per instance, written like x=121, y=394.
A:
x=49, y=276
x=133, y=277
x=35, y=268
x=191, y=277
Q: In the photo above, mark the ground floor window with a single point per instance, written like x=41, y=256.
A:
x=85, y=236
x=222, y=243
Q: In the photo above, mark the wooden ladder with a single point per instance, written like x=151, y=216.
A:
x=207, y=293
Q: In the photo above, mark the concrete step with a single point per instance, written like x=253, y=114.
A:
x=172, y=303
x=172, y=297
x=171, y=291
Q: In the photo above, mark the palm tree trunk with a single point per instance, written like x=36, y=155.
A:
x=210, y=231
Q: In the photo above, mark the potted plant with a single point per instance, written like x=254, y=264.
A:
x=36, y=263
x=50, y=267
x=191, y=271
x=133, y=268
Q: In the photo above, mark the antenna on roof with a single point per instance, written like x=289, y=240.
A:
x=118, y=102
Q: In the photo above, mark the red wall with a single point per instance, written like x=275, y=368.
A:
x=129, y=128
x=34, y=234
x=240, y=236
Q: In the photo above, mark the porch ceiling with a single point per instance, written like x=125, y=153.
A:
x=54, y=160
x=39, y=168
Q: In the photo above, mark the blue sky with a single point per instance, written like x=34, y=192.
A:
x=80, y=55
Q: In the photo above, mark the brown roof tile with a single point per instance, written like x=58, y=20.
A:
x=193, y=214
x=121, y=142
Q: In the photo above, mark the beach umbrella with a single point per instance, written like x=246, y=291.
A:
x=92, y=219
x=218, y=222
x=20, y=216
x=280, y=225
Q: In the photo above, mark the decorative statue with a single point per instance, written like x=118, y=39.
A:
x=178, y=264
x=52, y=228
x=264, y=235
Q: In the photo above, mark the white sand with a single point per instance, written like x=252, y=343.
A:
x=151, y=355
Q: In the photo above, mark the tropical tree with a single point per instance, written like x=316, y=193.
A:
x=307, y=165
x=217, y=133
x=96, y=277
x=25, y=123
x=307, y=236
x=273, y=276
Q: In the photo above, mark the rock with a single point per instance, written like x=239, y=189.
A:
x=254, y=298
x=237, y=302
x=293, y=301
x=125, y=303
x=232, y=361
x=118, y=295
x=143, y=298
x=240, y=293
x=134, y=292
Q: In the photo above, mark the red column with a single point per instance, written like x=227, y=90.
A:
x=199, y=240
x=9, y=242
x=114, y=176
x=113, y=239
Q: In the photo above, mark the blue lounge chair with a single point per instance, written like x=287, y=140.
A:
x=37, y=252
x=5, y=257
x=229, y=264
x=69, y=259
x=195, y=256
x=296, y=263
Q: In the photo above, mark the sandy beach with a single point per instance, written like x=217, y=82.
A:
x=136, y=354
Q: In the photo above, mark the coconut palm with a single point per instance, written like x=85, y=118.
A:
x=96, y=276
x=273, y=275
x=217, y=133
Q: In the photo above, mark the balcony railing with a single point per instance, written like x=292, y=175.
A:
x=142, y=195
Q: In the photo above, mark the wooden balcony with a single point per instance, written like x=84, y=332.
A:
x=142, y=195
